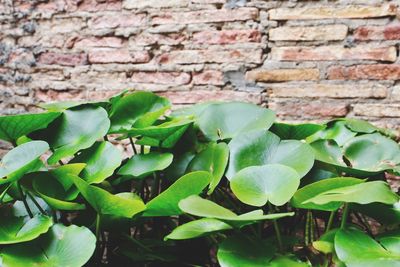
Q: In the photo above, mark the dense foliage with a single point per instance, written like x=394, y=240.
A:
x=214, y=184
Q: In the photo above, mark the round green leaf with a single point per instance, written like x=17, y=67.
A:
x=337, y=131
x=61, y=246
x=295, y=131
x=214, y=159
x=243, y=251
x=360, y=126
x=284, y=261
x=306, y=193
x=355, y=248
x=166, y=203
x=21, y=160
x=101, y=160
x=260, y=148
x=197, y=228
x=328, y=151
x=259, y=184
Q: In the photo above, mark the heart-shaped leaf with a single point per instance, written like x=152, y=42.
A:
x=260, y=148
x=355, y=248
x=308, y=192
x=295, y=131
x=166, y=203
x=197, y=228
x=123, y=204
x=60, y=246
x=15, y=229
x=328, y=151
x=258, y=185
x=214, y=159
x=337, y=130
x=101, y=160
x=21, y=160
x=66, y=135
x=136, y=110
x=14, y=126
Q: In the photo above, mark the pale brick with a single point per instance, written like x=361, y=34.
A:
x=227, y=37
x=316, y=33
x=63, y=59
x=281, y=75
x=211, y=56
x=64, y=25
x=83, y=43
x=131, y=4
x=95, y=5
x=56, y=96
x=117, y=20
x=331, y=53
x=364, y=90
x=213, y=77
x=332, y=12
x=172, y=78
x=377, y=110
x=389, y=32
x=309, y=109
x=118, y=56
x=146, y=39
x=365, y=72
x=205, y=16
x=198, y=96
x=396, y=93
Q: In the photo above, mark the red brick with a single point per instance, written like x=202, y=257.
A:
x=174, y=78
x=282, y=75
x=198, y=96
x=389, y=32
x=98, y=42
x=227, y=37
x=377, y=110
x=309, y=109
x=205, y=16
x=95, y=5
x=117, y=20
x=55, y=96
x=50, y=58
x=212, y=77
x=365, y=72
x=331, y=53
x=118, y=56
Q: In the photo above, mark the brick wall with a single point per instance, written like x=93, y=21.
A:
x=308, y=60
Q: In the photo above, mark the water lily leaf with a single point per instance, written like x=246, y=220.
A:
x=227, y=120
x=197, y=228
x=101, y=160
x=258, y=185
x=363, y=193
x=260, y=148
x=15, y=229
x=390, y=241
x=136, y=110
x=295, y=131
x=21, y=160
x=123, y=204
x=360, y=126
x=326, y=242
x=141, y=165
x=308, y=192
x=14, y=126
x=384, y=214
x=285, y=261
x=61, y=106
x=337, y=130
x=179, y=165
x=328, y=151
x=372, y=152
x=166, y=203
x=214, y=158
x=355, y=248
x=60, y=246
x=238, y=251
x=66, y=135
x=201, y=207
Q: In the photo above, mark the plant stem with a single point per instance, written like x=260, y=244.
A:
x=156, y=185
x=330, y=221
x=21, y=192
x=97, y=227
x=36, y=203
x=133, y=145
x=277, y=231
x=142, y=149
x=344, y=215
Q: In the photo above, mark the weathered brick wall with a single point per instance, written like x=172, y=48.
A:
x=308, y=60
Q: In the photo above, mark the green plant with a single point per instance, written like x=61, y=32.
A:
x=216, y=183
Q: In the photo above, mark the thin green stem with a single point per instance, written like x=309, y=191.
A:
x=4, y=193
x=36, y=203
x=98, y=227
x=21, y=192
x=277, y=230
x=311, y=227
x=344, y=215
x=307, y=229
x=142, y=149
x=330, y=221
x=156, y=185
x=133, y=145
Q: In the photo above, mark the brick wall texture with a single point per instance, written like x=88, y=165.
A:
x=307, y=60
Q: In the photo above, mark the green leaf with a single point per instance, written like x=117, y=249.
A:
x=295, y=131
x=166, y=204
x=141, y=165
x=328, y=151
x=197, y=228
x=363, y=193
x=60, y=246
x=123, y=204
x=21, y=160
x=308, y=192
x=136, y=110
x=214, y=159
x=61, y=106
x=326, y=242
x=14, y=126
x=258, y=185
x=360, y=126
x=285, y=261
x=260, y=148
x=243, y=251
x=74, y=130
x=227, y=120
x=390, y=241
x=384, y=214
x=337, y=131
x=355, y=248
x=101, y=160
x=200, y=207
x=372, y=152
x=15, y=229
